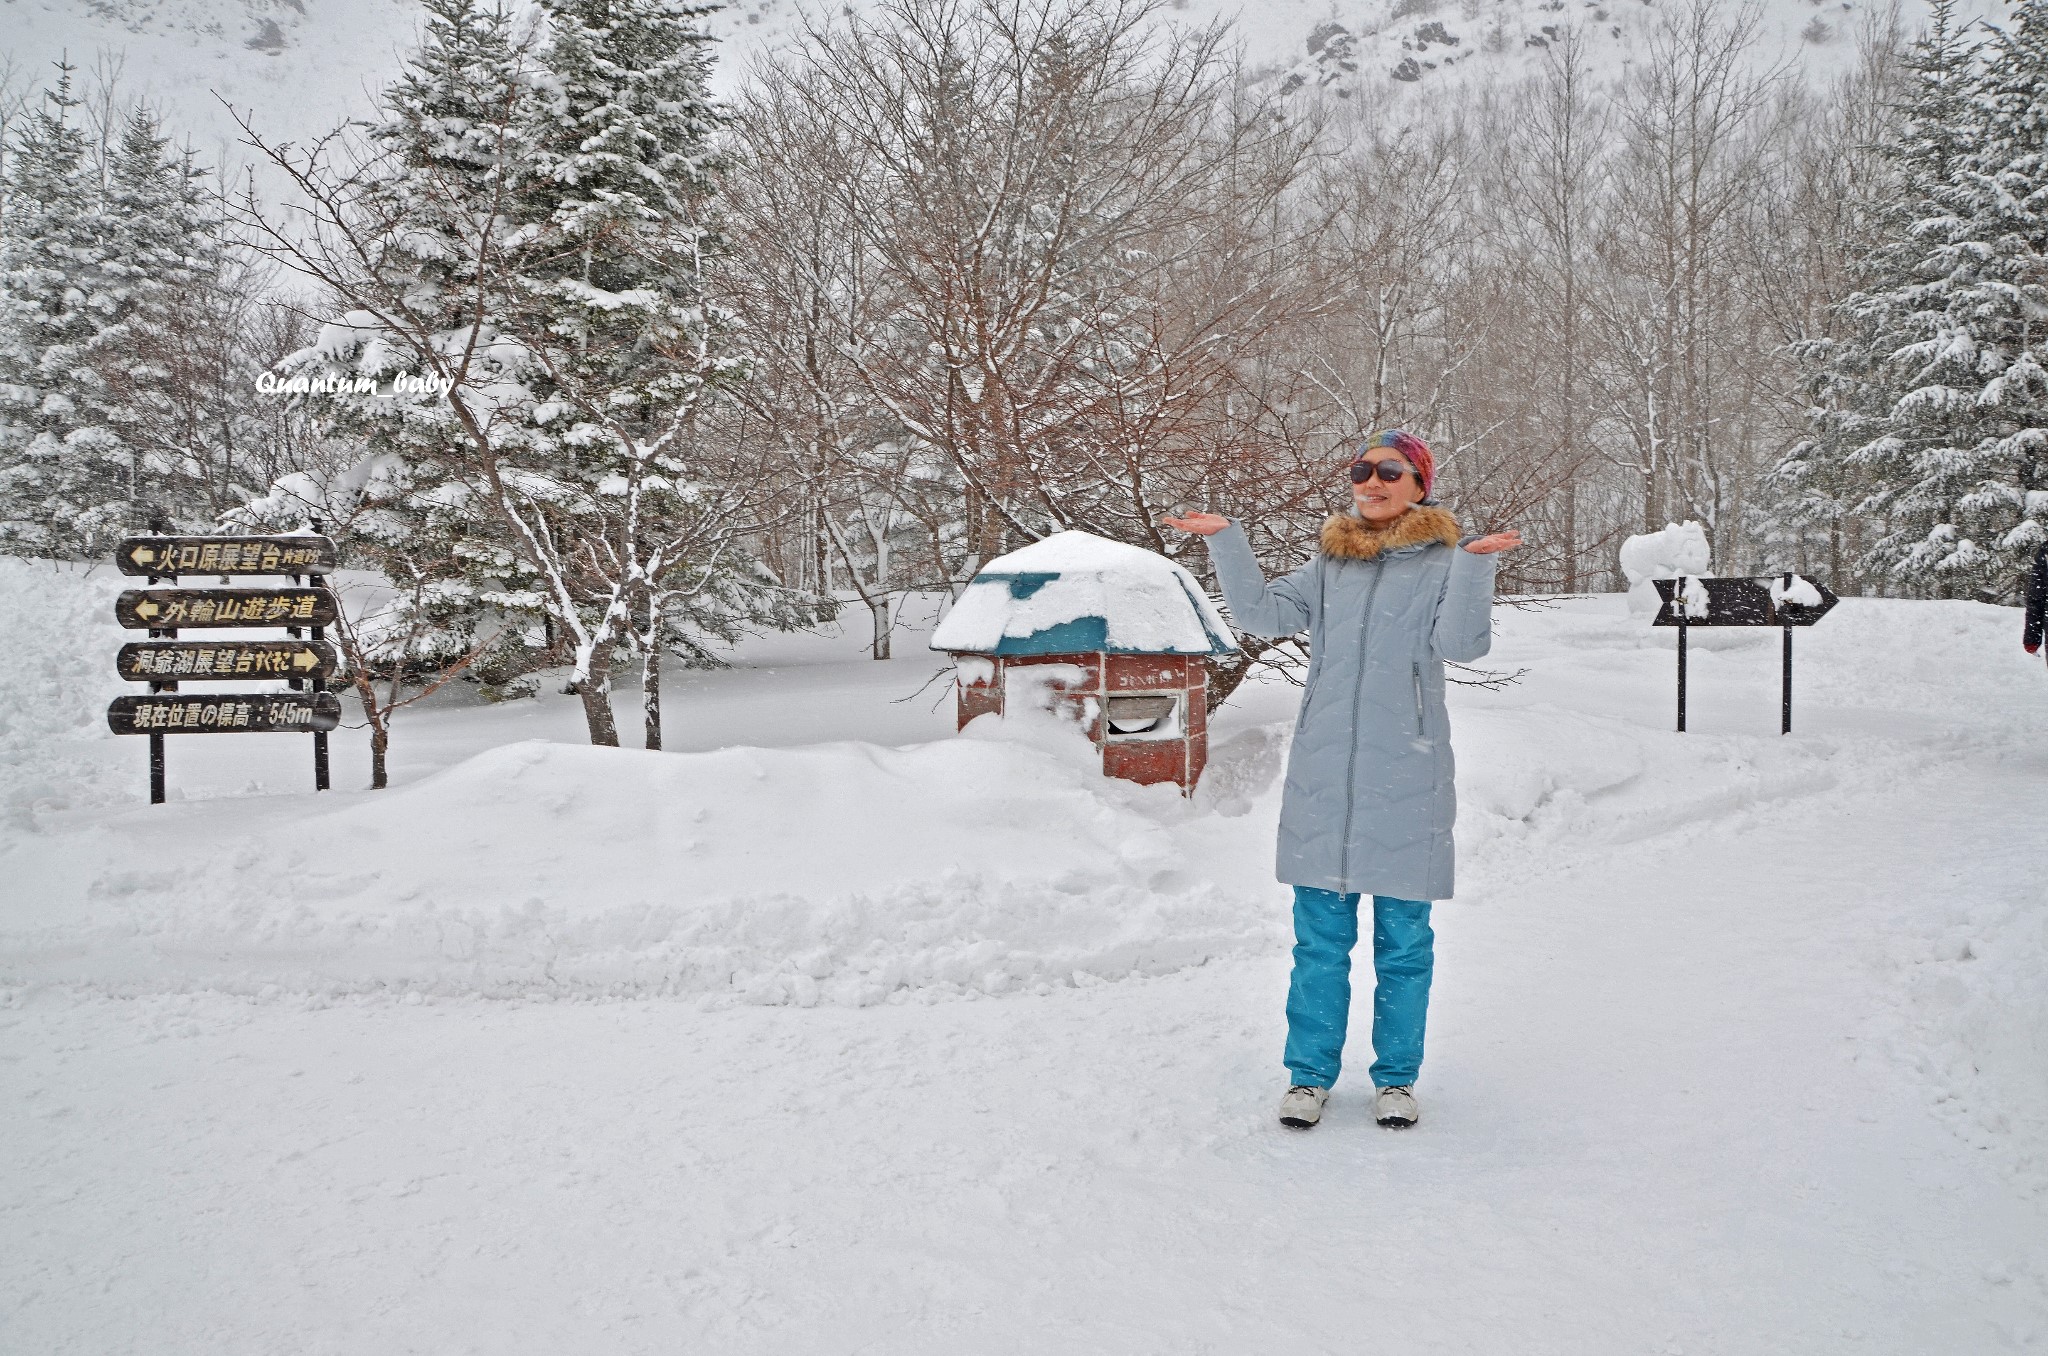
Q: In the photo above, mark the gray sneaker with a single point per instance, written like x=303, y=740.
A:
x=1302, y=1107
x=1395, y=1107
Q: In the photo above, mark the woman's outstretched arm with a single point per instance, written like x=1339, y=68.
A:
x=1280, y=608
x=1464, y=611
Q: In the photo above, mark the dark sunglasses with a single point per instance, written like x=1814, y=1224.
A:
x=1389, y=469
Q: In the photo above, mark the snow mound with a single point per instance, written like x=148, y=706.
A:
x=1075, y=592
x=57, y=671
x=842, y=873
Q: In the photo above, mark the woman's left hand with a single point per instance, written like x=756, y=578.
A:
x=1495, y=544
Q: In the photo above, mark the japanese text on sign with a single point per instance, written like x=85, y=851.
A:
x=161, y=556
x=264, y=557
x=167, y=713
x=212, y=715
x=255, y=611
x=168, y=662
x=170, y=609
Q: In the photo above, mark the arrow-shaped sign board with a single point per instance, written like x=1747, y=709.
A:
x=157, y=609
x=184, y=661
x=228, y=713
x=1738, y=601
x=299, y=554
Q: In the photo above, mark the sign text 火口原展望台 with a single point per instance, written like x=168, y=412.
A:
x=167, y=556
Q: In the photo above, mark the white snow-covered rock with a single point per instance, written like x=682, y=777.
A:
x=1679, y=549
x=1075, y=592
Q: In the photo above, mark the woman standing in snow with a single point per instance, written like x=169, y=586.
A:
x=1369, y=803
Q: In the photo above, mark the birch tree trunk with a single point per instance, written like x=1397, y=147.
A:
x=650, y=691
x=596, y=691
x=879, y=608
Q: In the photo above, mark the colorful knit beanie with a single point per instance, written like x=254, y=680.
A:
x=1409, y=446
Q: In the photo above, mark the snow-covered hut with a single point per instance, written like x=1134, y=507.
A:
x=1114, y=635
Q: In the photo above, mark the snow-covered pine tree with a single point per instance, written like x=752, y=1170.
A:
x=413, y=239
x=1933, y=421
x=527, y=226
x=1851, y=382
x=433, y=222
x=162, y=278
x=618, y=502
x=1978, y=509
x=65, y=487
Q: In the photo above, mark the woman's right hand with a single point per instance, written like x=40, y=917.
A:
x=1201, y=524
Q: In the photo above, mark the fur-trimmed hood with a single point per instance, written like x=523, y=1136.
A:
x=1350, y=537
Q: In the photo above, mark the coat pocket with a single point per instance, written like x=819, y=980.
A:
x=1416, y=671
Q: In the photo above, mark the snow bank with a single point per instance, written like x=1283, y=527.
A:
x=996, y=861
x=839, y=873
x=58, y=639
x=1147, y=603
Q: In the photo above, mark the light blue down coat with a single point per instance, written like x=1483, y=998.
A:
x=1370, y=797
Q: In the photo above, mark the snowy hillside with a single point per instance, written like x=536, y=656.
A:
x=942, y=1043
x=299, y=66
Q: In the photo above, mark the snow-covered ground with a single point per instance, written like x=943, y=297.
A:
x=831, y=1031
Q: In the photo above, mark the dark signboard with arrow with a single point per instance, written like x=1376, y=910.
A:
x=233, y=713
x=164, y=661
x=161, y=609
x=1783, y=601
x=161, y=557
x=1742, y=602
x=155, y=661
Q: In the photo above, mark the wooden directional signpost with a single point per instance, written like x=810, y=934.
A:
x=1784, y=601
x=169, y=557
x=173, y=609
x=164, y=661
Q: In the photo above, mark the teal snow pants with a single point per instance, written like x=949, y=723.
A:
x=1319, y=994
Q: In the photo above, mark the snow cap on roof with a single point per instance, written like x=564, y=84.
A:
x=1075, y=593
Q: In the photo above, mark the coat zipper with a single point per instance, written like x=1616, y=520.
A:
x=1357, y=695
x=1417, y=670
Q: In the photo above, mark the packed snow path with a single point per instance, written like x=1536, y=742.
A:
x=1737, y=1045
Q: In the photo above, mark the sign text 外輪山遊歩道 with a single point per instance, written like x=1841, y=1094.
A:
x=174, y=609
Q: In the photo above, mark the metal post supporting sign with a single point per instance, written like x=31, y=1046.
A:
x=164, y=661
x=1785, y=712
x=1785, y=601
x=1681, y=672
x=319, y=682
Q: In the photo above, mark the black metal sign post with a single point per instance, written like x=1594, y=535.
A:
x=156, y=737
x=319, y=682
x=1681, y=672
x=1784, y=602
x=1785, y=713
x=164, y=661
